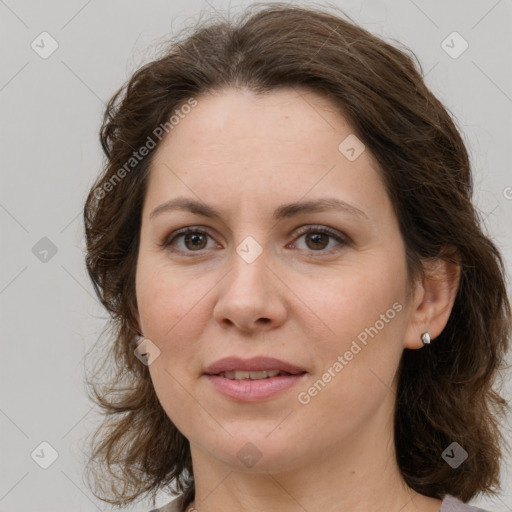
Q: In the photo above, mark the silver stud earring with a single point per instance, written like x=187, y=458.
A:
x=425, y=338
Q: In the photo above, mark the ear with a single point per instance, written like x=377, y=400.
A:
x=433, y=298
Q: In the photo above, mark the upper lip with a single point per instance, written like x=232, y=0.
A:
x=232, y=363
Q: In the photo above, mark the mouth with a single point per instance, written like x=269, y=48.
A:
x=256, y=375
x=254, y=368
x=251, y=380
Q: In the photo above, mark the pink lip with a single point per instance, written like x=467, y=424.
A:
x=248, y=390
x=232, y=363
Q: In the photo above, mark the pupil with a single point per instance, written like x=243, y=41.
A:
x=317, y=239
x=195, y=238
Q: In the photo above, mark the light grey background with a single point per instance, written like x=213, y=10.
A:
x=51, y=112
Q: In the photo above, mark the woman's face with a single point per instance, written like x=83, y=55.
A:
x=262, y=280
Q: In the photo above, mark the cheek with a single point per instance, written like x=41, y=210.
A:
x=165, y=298
x=358, y=357
x=361, y=345
x=169, y=309
x=174, y=309
x=354, y=301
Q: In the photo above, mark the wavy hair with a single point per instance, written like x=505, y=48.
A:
x=447, y=392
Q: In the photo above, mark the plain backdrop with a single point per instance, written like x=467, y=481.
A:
x=51, y=108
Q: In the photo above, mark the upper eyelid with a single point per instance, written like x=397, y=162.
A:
x=300, y=230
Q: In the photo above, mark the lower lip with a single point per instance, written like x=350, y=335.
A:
x=248, y=390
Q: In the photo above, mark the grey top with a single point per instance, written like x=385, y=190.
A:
x=449, y=504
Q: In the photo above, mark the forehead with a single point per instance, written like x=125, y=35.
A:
x=284, y=116
x=276, y=146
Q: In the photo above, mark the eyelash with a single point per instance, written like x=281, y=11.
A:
x=343, y=239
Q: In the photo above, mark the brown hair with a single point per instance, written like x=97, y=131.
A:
x=445, y=393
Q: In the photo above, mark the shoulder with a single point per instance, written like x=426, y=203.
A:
x=452, y=504
x=175, y=505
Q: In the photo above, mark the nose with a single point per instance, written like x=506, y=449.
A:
x=251, y=296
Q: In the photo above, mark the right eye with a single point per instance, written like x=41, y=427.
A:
x=192, y=239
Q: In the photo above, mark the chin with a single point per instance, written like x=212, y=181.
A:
x=259, y=454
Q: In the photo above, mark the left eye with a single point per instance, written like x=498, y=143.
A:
x=317, y=239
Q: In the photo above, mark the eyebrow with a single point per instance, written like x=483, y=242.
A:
x=282, y=212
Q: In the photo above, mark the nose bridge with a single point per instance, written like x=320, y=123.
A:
x=249, y=273
x=249, y=292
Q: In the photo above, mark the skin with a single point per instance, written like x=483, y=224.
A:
x=246, y=155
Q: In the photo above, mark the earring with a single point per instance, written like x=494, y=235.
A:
x=425, y=338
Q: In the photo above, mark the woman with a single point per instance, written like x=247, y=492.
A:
x=306, y=314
